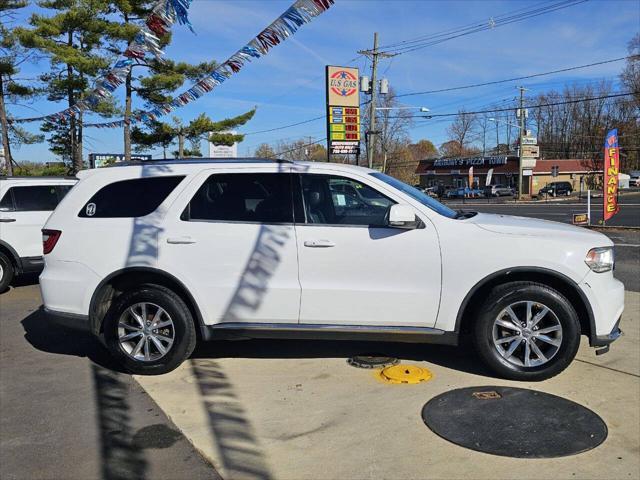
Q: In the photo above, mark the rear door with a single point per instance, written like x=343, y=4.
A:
x=354, y=270
x=23, y=213
x=231, y=236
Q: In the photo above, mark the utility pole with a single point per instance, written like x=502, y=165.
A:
x=373, y=55
x=521, y=115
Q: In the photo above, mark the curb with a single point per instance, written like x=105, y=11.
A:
x=612, y=228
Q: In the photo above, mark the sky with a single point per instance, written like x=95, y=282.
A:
x=287, y=85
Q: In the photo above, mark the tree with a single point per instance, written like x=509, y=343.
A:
x=459, y=132
x=12, y=55
x=393, y=125
x=71, y=37
x=165, y=134
x=264, y=150
x=305, y=149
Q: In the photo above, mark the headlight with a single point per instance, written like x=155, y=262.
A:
x=600, y=259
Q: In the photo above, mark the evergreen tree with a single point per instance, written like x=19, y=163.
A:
x=165, y=134
x=71, y=37
x=12, y=55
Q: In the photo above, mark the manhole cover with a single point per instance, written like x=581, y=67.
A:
x=514, y=422
x=371, y=361
x=405, y=374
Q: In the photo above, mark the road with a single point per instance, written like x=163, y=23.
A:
x=68, y=413
x=557, y=210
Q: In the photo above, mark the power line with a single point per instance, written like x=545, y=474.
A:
x=298, y=147
x=528, y=106
x=411, y=46
x=285, y=126
x=475, y=23
x=495, y=82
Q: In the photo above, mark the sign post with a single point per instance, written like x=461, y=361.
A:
x=611, y=171
x=343, y=111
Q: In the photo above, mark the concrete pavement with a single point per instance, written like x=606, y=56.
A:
x=297, y=410
x=68, y=413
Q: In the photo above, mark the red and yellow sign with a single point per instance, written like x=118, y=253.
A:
x=611, y=171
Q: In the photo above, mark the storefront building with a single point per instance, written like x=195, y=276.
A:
x=454, y=172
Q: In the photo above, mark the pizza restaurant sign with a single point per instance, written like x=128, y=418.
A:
x=469, y=162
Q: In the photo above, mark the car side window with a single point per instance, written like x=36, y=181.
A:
x=335, y=200
x=35, y=198
x=129, y=198
x=6, y=204
x=243, y=197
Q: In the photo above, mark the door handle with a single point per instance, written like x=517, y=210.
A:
x=181, y=240
x=7, y=220
x=319, y=243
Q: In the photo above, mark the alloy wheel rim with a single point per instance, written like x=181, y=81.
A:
x=1, y=272
x=145, y=332
x=527, y=334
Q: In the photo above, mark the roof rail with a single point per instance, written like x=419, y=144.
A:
x=196, y=160
x=37, y=177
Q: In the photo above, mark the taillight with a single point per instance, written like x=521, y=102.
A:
x=49, y=240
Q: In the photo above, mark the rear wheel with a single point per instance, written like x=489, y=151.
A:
x=527, y=331
x=6, y=272
x=149, y=330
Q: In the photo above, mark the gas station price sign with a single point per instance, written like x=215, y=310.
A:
x=343, y=110
x=344, y=123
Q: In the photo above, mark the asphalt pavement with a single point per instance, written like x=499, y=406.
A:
x=558, y=210
x=67, y=412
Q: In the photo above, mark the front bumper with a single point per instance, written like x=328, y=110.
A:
x=606, y=340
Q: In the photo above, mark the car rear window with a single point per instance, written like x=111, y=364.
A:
x=34, y=198
x=130, y=198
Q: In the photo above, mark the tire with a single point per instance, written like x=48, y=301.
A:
x=182, y=330
x=6, y=272
x=558, y=348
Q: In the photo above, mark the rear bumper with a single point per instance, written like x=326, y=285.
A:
x=68, y=320
x=31, y=264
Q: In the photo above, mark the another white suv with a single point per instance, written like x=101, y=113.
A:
x=151, y=256
x=25, y=205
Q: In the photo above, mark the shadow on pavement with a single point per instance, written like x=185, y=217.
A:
x=231, y=431
x=48, y=337
x=461, y=358
x=122, y=454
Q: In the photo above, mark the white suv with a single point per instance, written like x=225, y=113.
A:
x=151, y=256
x=25, y=205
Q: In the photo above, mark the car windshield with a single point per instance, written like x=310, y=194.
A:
x=416, y=194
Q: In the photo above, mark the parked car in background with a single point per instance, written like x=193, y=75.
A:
x=634, y=179
x=258, y=248
x=556, y=188
x=25, y=205
x=499, y=190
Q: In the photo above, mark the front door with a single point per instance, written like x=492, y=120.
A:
x=231, y=239
x=353, y=269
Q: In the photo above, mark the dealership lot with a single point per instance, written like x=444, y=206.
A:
x=282, y=409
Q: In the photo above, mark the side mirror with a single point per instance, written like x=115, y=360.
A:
x=403, y=216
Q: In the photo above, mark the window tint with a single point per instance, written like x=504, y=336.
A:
x=63, y=190
x=333, y=200
x=6, y=204
x=35, y=198
x=243, y=197
x=130, y=198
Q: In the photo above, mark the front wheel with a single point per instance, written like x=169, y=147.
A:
x=527, y=331
x=149, y=330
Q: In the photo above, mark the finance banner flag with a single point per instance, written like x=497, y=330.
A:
x=611, y=171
